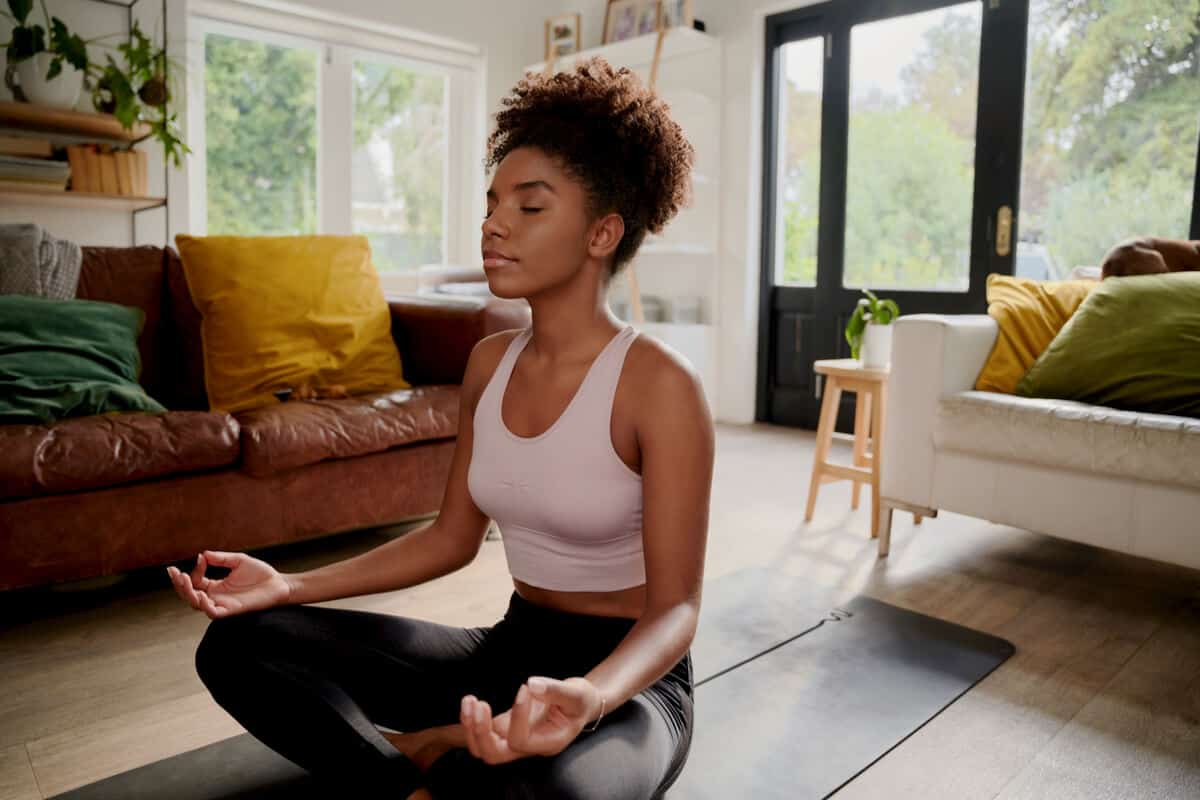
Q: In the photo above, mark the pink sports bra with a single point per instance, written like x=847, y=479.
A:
x=568, y=508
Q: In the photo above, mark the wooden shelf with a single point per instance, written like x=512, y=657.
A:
x=67, y=127
x=10, y=196
x=639, y=50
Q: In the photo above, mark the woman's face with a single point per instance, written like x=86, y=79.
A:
x=537, y=232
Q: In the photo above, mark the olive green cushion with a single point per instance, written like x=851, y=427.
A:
x=1134, y=344
x=68, y=358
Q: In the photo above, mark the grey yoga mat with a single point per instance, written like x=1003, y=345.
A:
x=794, y=697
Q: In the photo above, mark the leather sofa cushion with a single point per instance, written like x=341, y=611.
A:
x=287, y=435
x=110, y=449
x=133, y=276
x=1066, y=434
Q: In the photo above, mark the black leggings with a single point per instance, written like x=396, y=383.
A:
x=312, y=683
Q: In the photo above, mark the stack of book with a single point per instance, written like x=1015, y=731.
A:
x=99, y=168
x=27, y=164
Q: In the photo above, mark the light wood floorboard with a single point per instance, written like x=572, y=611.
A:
x=1102, y=698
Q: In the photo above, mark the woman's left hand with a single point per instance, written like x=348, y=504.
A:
x=547, y=716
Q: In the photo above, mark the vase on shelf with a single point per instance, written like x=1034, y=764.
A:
x=61, y=91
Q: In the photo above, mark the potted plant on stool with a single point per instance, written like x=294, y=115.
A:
x=869, y=331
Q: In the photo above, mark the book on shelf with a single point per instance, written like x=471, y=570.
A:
x=108, y=173
x=41, y=186
x=124, y=172
x=91, y=163
x=141, y=176
x=77, y=160
x=102, y=170
x=24, y=146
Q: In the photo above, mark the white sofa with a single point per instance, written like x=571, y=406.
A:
x=1122, y=480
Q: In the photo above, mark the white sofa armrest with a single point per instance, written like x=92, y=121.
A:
x=932, y=355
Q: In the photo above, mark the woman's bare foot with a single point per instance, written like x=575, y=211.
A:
x=422, y=747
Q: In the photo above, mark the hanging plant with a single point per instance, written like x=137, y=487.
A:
x=139, y=92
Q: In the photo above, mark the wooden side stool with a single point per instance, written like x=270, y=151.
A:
x=870, y=386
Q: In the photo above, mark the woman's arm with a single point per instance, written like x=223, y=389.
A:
x=447, y=544
x=676, y=438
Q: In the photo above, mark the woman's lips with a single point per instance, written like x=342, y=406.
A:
x=493, y=261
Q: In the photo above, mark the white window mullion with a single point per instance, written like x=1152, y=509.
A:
x=197, y=177
x=335, y=115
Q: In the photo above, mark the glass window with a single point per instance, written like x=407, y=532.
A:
x=260, y=129
x=398, y=179
x=914, y=86
x=798, y=190
x=1110, y=130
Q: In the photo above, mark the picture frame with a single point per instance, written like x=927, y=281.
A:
x=676, y=13
x=625, y=19
x=562, y=36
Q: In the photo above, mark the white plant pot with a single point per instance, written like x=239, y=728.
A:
x=876, y=350
x=62, y=92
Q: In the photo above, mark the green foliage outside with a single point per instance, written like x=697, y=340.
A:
x=1112, y=114
x=260, y=137
x=1111, y=122
x=261, y=149
x=400, y=129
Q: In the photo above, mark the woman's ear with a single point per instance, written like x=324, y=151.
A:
x=605, y=235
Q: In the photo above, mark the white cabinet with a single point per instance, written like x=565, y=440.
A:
x=677, y=271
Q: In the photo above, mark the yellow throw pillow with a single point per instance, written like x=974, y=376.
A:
x=1030, y=314
x=282, y=311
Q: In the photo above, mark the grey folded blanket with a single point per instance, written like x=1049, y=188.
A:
x=35, y=263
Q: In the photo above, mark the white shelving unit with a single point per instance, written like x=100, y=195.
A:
x=679, y=267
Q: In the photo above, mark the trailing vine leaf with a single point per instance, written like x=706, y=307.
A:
x=20, y=9
x=68, y=45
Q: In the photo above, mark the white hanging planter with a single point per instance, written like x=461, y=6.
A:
x=876, y=349
x=61, y=92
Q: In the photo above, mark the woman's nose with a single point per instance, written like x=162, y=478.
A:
x=493, y=225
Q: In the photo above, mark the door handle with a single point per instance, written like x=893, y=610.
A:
x=1004, y=231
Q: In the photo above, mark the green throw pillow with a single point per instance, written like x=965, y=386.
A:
x=68, y=358
x=1134, y=343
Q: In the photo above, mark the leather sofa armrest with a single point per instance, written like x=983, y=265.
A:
x=436, y=333
x=932, y=355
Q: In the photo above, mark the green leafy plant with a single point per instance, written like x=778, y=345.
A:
x=133, y=92
x=139, y=91
x=869, y=311
x=29, y=39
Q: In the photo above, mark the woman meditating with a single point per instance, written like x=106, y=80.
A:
x=592, y=448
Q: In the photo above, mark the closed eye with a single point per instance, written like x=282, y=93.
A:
x=531, y=210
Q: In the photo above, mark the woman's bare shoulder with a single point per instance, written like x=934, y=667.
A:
x=661, y=371
x=485, y=357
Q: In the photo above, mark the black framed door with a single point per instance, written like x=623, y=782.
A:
x=892, y=145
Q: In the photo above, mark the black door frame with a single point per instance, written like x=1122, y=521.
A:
x=996, y=180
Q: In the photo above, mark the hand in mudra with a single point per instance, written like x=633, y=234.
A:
x=540, y=723
x=251, y=585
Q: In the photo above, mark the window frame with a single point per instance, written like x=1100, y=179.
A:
x=339, y=41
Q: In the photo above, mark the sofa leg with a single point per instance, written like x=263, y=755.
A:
x=886, y=506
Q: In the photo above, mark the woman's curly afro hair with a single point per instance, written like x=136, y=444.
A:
x=611, y=133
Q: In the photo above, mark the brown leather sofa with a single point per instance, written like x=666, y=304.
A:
x=100, y=495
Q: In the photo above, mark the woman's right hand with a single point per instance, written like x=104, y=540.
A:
x=251, y=585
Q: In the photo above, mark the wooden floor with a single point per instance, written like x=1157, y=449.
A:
x=1101, y=700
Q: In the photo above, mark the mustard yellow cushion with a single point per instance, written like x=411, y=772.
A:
x=282, y=311
x=1030, y=313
